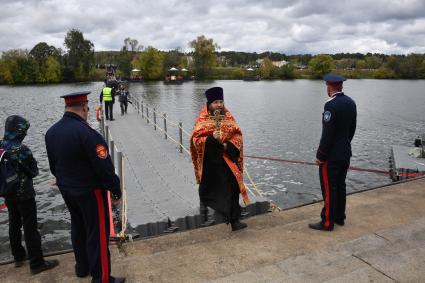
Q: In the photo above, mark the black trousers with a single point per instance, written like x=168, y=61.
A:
x=227, y=204
x=332, y=181
x=123, y=105
x=109, y=112
x=235, y=208
x=23, y=213
x=90, y=233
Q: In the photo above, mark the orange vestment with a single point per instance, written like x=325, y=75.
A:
x=230, y=132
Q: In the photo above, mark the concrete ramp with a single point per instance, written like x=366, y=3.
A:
x=383, y=240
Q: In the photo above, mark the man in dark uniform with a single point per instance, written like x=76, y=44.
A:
x=108, y=95
x=334, y=152
x=79, y=159
x=21, y=204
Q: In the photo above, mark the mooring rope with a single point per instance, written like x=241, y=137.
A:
x=377, y=171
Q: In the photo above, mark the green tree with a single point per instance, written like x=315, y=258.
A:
x=151, y=63
x=410, y=65
x=17, y=67
x=361, y=64
x=421, y=70
x=52, y=70
x=25, y=71
x=124, y=63
x=237, y=74
x=173, y=58
x=321, y=65
x=80, y=56
x=286, y=72
x=345, y=63
x=42, y=50
x=384, y=73
x=266, y=69
x=131, y=45
x=373, y=62
x=41, y=53
x=9, y=65
x=126, y=55
x=204, y=55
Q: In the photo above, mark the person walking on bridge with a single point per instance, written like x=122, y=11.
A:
x=21, y=205
x=123, y=99
x=108, y=95
x=216, y=147
x=334, y=152
x=79, y=159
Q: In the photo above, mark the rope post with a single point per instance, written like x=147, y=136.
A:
x=106, y=133
x=142, y=110
x=138, y=106
x=154, y=119
x=147, y=115
x=165, y=125
x=119, y=159
x=112, y=151
x=423, y=145
x=181, y=136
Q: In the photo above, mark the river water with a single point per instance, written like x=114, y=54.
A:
x=279, y=119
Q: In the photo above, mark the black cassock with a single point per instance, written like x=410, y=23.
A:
x=219, y=188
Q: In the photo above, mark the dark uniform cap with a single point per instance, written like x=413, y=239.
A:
x=76, y=97
x=214, y=93
x=332, y=79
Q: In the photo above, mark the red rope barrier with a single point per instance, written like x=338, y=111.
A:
x=377, y=171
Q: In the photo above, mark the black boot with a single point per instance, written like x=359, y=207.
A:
x=237, y=225
x=117, y=279
x=81, y=272
x=19, y=263
x=207, y=219
x=319, y=226
x=48, y=264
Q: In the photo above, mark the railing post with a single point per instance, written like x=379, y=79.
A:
x=165, y=125
x=102, y=123
x=119, y=160
x=107, y=134
x=154, y=119
x=423, y=145
x=142, y=110
x=138, y=106
x=112, y=151
x=181, y=136
x=147, y=114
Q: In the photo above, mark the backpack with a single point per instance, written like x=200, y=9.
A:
x=9, y=181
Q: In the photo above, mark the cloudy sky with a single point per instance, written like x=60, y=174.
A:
x=288, y=26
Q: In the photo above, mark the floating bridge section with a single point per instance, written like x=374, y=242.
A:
x=403, y=165
x=158, y=178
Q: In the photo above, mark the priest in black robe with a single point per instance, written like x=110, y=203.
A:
x=217, y=152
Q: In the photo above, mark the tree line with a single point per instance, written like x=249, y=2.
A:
x=80, y=62
x=47, y=64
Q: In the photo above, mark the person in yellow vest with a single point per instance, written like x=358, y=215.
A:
x=108, y=95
